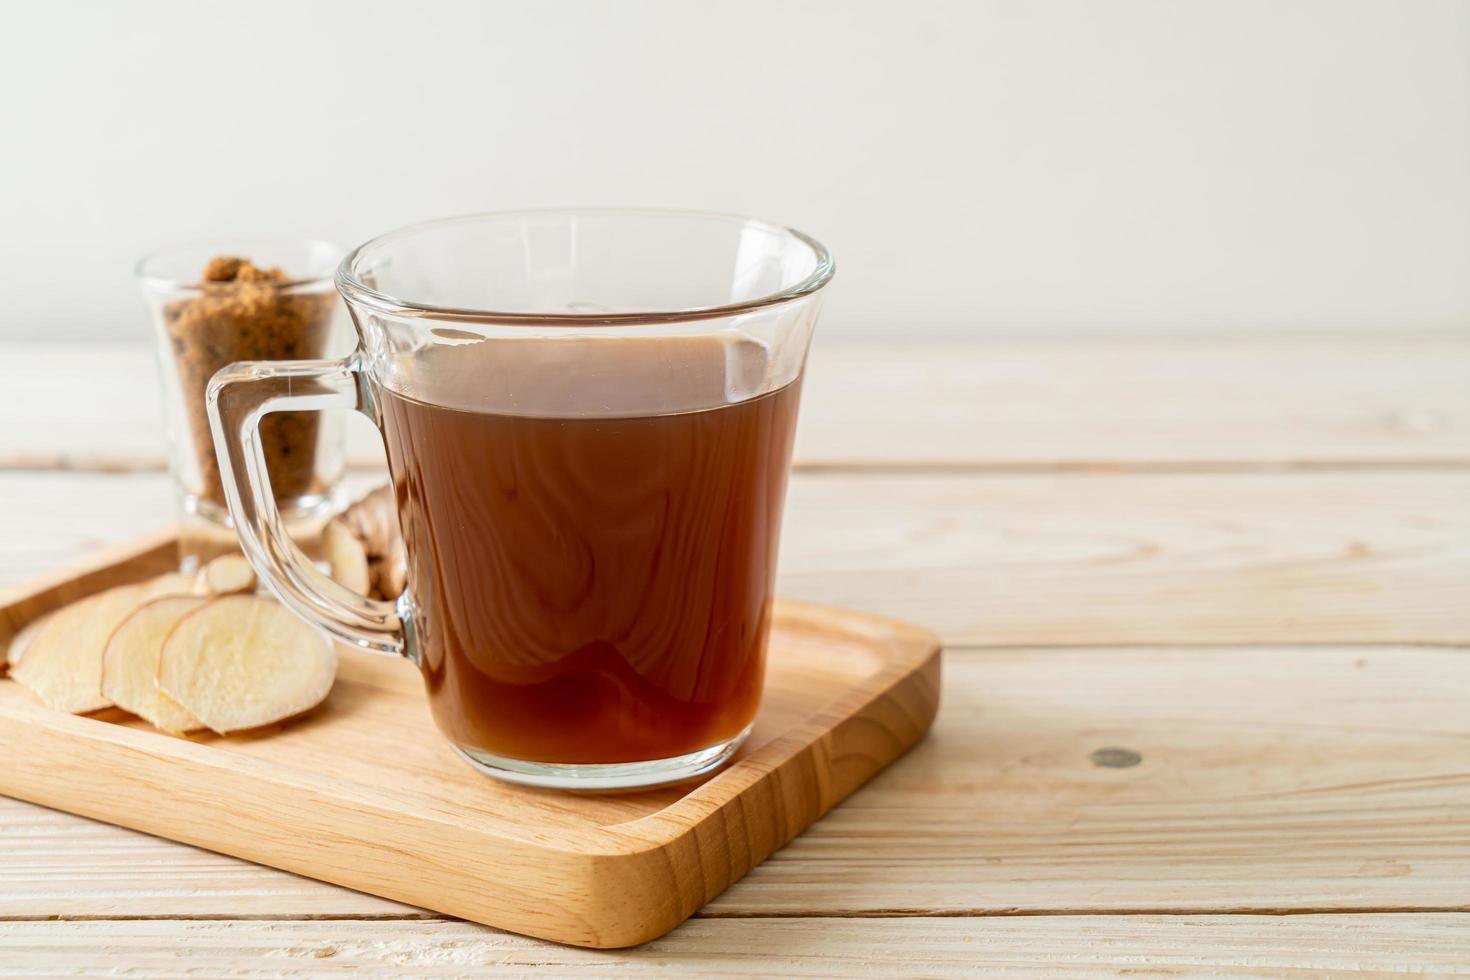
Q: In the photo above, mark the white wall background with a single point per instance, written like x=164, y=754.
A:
x=1005, y=167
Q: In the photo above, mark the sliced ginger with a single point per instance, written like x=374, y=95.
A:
x=22, y=639
x=16, y=648
x=67, y=674
x=228, y=574
x=346, y=556
x=130, y=663
x=243, y=661
x=169, y=584
x=176, y=658
x=62, y=663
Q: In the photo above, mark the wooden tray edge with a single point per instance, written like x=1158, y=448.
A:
x=787, y=784
x=649, y=876
x=130, y=561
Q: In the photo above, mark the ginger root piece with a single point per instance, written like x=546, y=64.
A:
x=226, y=575
x=130, y=663
x=63, y=661
x=346, y=556
x=374, y=520
x=243, y=661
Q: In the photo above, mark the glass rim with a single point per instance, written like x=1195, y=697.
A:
x=356, y=292
x=232, y=247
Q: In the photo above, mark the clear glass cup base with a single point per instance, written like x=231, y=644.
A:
x=303, y=508
x=206, y=530
x=607, y=776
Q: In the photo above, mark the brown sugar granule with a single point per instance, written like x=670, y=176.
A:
x=222, y=269
x=242, y=312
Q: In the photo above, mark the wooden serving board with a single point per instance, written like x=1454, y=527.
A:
x=364, y=792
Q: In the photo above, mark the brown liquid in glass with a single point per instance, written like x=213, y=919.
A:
x=593, y=585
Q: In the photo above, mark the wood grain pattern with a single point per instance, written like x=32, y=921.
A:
x=1091, y=403
x=1026, y=946
x=1006, y=560
x=1128, y=559
x=364, y=792
x=1120, y=403
x=55, y=864
x=1271, y=779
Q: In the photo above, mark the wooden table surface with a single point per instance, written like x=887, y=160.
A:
x=1206, y=705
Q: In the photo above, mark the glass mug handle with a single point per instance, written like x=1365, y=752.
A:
x=238, y=397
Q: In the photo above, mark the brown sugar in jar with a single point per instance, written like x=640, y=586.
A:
x=242, y=312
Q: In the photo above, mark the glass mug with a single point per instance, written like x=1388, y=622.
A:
x=588, y=417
